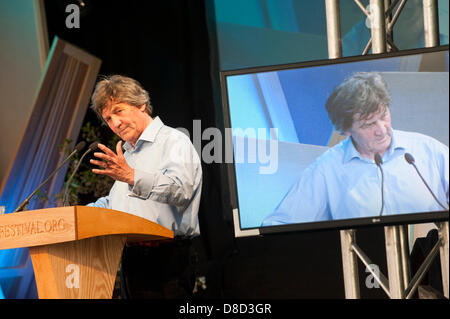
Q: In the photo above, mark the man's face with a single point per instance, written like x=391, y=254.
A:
x=125, y=120
x=373, y=134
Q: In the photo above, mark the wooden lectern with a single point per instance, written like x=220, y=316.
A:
x=76, y=250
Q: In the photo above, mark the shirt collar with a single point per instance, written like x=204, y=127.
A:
x=396, y=143
x=351, y=152
x=149, y=134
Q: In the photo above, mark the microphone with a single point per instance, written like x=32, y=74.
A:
x=379, y=161
x=24, y=204
x=92, y=147
x=410, y=159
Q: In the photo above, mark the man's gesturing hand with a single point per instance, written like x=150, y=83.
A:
x=114, y=165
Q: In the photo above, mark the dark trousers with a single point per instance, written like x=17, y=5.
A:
x=162, y=271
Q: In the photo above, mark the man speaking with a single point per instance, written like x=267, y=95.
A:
x=158, y=177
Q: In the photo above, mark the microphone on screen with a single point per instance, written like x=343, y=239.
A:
x=410, y=159
x=379, y=162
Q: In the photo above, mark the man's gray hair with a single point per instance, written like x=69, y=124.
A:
x=363, y=93
x=119, y=89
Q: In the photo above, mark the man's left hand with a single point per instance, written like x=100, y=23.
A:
x=114, y=164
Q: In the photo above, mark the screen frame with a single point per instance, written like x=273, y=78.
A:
x=339, y=224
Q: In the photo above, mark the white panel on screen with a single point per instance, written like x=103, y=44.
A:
x=420, y=102
x=259, y=194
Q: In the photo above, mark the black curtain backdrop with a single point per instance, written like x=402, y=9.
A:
x=169, y=47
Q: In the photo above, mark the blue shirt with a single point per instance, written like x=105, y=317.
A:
x=167, y=180
x=342, y=184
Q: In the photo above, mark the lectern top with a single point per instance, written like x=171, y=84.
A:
x=62, y=224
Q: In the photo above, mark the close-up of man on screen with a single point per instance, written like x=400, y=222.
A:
x=370, y=173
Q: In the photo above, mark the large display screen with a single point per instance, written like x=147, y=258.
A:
x=294, y=168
